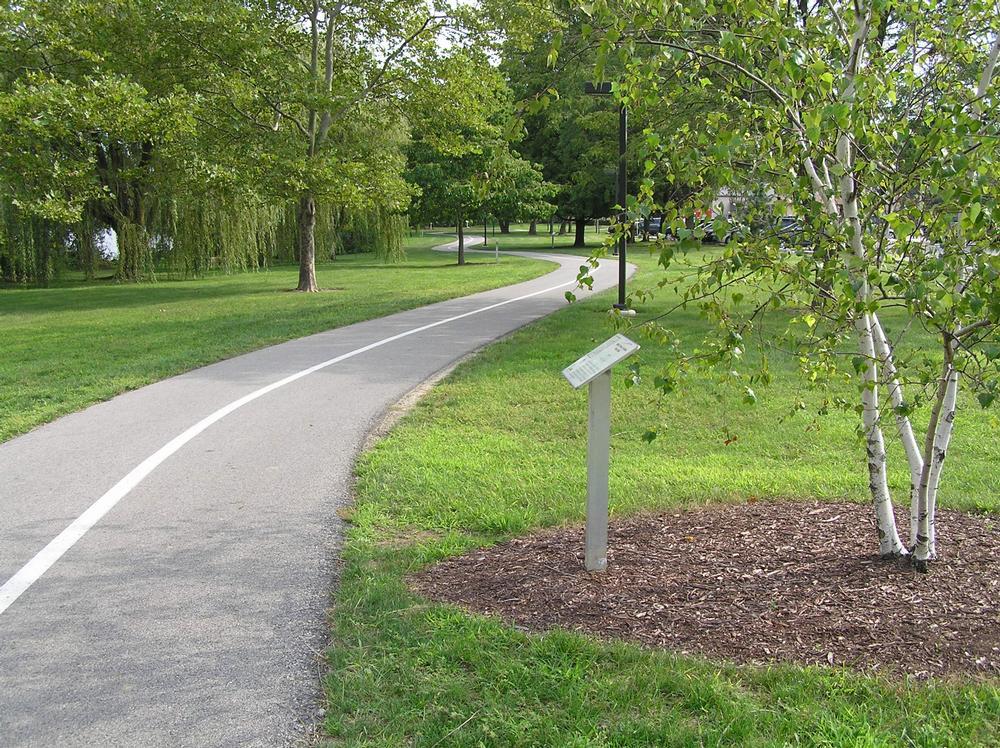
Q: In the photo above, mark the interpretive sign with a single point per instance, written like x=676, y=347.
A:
x=595, y=369
x=599, y=360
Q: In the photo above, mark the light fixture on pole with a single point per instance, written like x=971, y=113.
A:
x=604, y=89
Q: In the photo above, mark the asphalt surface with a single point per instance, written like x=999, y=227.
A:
x=193, y=612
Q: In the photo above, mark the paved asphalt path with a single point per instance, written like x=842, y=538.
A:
x=192, y=612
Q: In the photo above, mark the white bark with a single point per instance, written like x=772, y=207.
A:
x=987, y=77
x=941, y=442
x=889, y=543
x=868, y=329
x=888, y=534
x=823, y=195
x=942, y=421
x=914, y=459
x=936, y=449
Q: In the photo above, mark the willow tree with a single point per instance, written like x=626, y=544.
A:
x=875, y=122
x=117, y=113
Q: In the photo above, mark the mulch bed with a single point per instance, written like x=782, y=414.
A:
x=760, y=582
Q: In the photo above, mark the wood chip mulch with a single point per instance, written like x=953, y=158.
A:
x=760, y=582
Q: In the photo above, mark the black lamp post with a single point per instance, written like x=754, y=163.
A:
x=604, y=89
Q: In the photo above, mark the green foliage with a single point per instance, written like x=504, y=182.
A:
x=459, y=157
x=573, y=136
x=499, y=448
x=122, y=116
x=513, y=189
x=817, y=112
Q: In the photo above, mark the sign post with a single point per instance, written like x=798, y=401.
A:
x=594, y=370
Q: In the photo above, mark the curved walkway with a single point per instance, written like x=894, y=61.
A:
x=166, y=557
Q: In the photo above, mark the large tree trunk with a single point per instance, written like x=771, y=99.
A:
x=42, y=241
x=581, y=236
x=461, y=239
x=126, y=211
x=307, y=244
x=563, y=227
x=533, y=228
x=504, y=226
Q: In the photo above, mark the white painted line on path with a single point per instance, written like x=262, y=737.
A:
x=14, y=587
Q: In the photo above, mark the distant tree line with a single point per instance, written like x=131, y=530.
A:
x=234, y=133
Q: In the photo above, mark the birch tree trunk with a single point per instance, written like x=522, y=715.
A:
x=888, y=535
x=889, y=543
x=935, y=450
x=914, y=458
x=942, y=421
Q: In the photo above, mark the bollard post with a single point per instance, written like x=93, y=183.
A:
x=598, y=462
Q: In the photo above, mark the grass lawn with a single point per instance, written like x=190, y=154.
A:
x=520, y=240
x=67, y=347
x=498, y=449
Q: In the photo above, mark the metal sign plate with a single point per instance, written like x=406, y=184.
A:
x=599, y=360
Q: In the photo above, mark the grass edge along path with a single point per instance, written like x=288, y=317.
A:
x=492, y=452
x=66, y=348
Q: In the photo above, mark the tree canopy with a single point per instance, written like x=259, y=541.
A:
x=872, y=126
x=215, y=133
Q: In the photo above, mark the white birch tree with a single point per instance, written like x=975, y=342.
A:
x=875, y=122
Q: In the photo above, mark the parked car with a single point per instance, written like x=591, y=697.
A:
x=651, y=227
x=735, y=230
x=790, y=231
